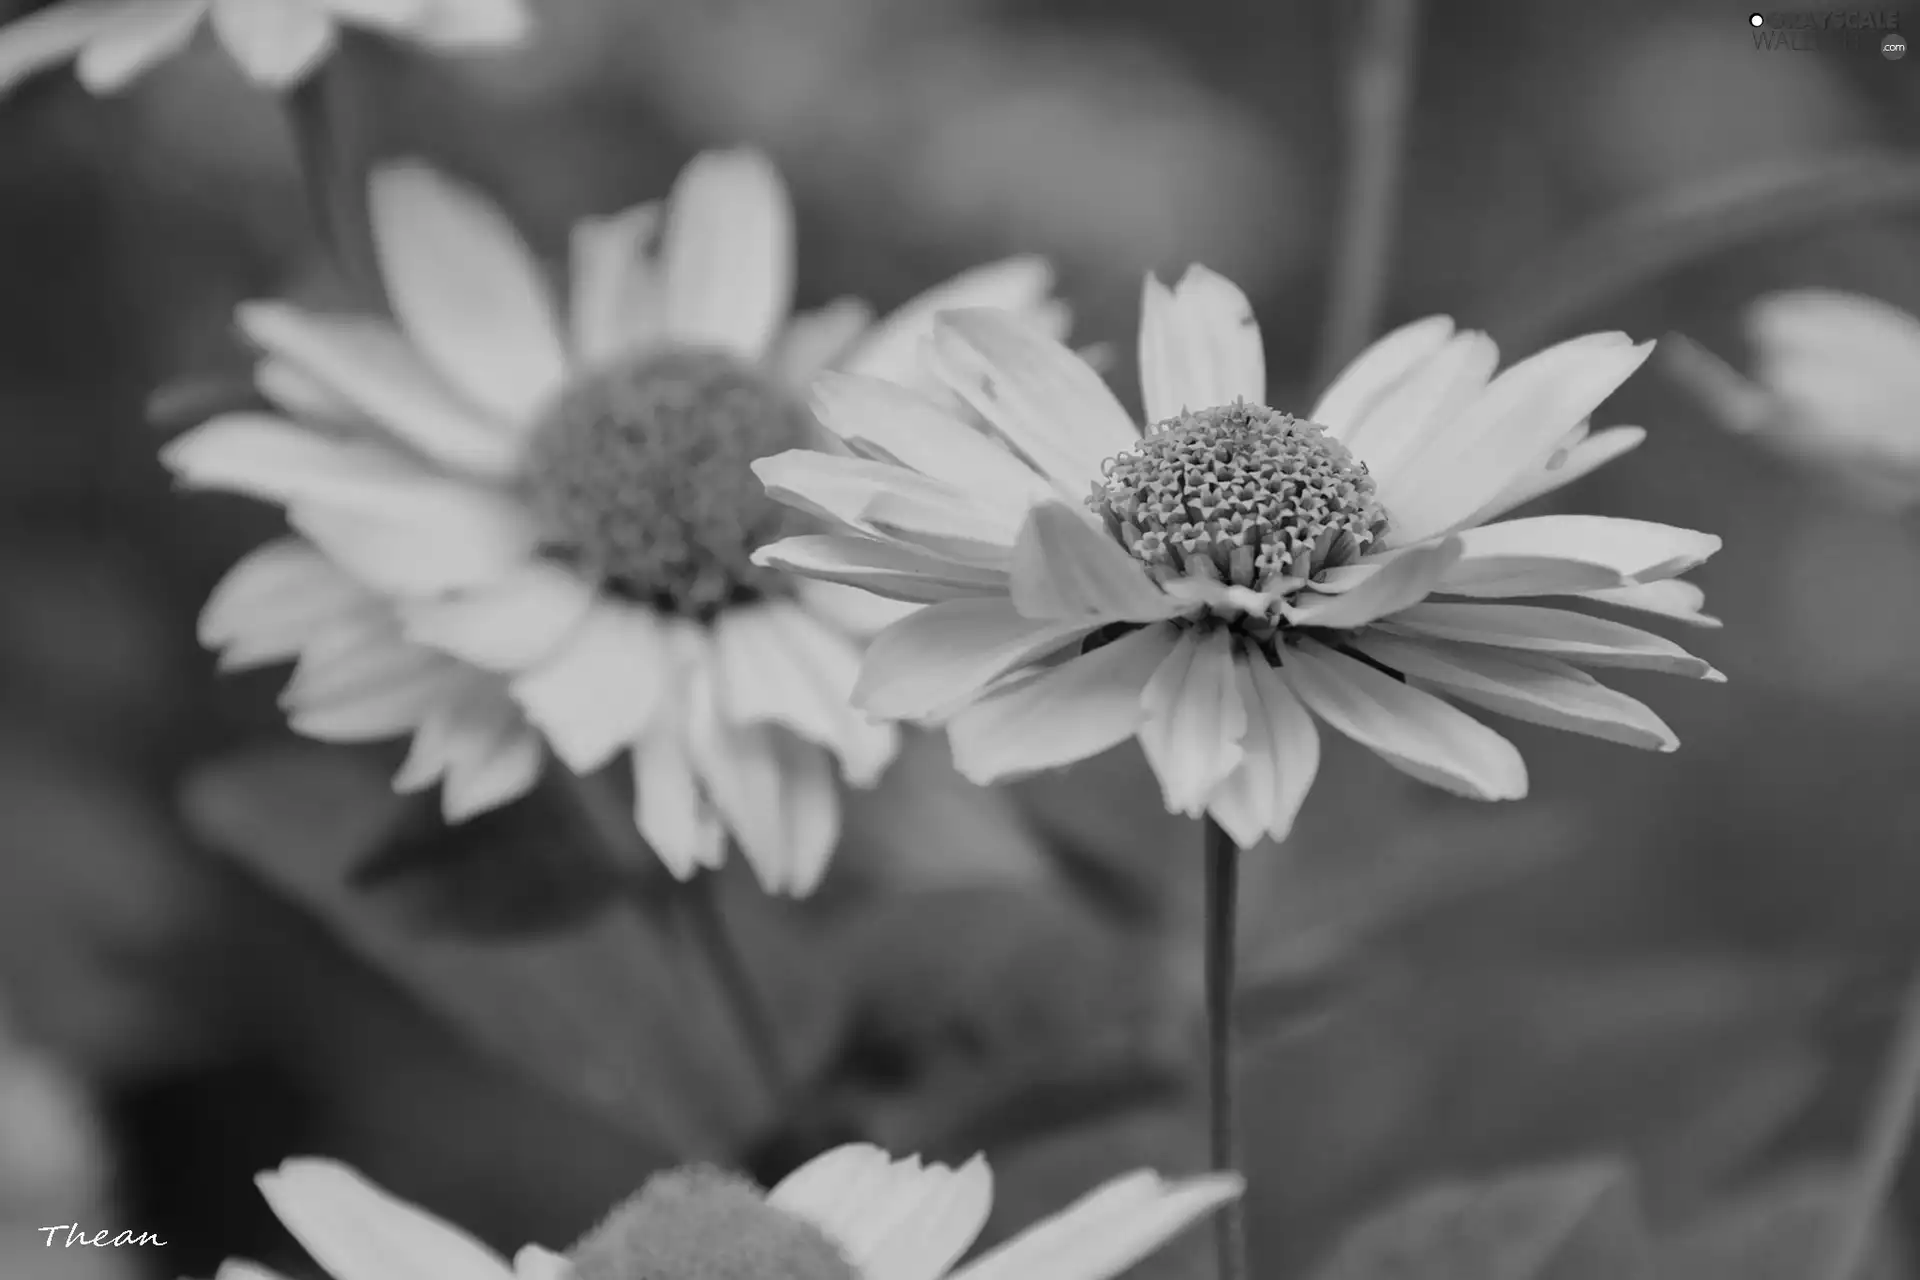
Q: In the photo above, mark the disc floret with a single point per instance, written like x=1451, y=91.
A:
x=640, y=474
x=1241, y=494
x=704, y=1224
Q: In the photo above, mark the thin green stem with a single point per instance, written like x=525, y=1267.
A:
x=331, y=143
x=608, y=819
x=1223, y=902
x=1889, y=1126
x=1379, y=91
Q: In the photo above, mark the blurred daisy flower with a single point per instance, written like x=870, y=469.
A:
x=1236, y=568
x=512, y=529
x=851, y=1214
x=277, y=43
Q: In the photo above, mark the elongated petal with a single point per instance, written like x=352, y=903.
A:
x=268, y=605
x=377, y=691
x=815, y=341
x=1194, y=720
x=850, y=610
x=940, y=658
x=1064, y=714
x=1046, y=401
x=150, y=33
x=893, y=1219
x=1413, y=731
x=413, y=538
x=1105, y=1232
x=1404, y=580
x=1375, y=372
x=1281, y=756
x=508, y=625
x=883, y=568
x=478, y=746
x=1064, y=569
x=1528, y=687
x=1428, y=397
x=671, y=808
x=468, y=24
x=599, y=691
x=358, y=1232
x=57, y=33
x=616, y=300
x=1589, y=455
x=727, y=253
x=776, y=795
x=893, y=422
x=1553, y=555
x=1575, y=637
x=845, y=490
x=1199, y=346
x=268, y=457
x=1670, y=598
x=892, y=350
x=276, y=42
x=366, y=364
x=466, y=290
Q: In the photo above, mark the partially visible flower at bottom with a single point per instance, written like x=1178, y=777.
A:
x=851, y=1214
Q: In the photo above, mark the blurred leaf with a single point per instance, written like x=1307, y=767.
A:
x=1573, y=1222
x=1775, y=1231
x=613, y=1012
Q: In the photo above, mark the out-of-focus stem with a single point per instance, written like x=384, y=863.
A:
x=331, y=140
x=1222, y=858
x=1889, y=1126
x=1379, y=90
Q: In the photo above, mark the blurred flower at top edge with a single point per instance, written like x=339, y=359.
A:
x=851, y=1214
x=112, y=42
x=511, y=530
x=1133, y=619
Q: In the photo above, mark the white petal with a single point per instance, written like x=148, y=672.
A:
x=301, y=395
x=1070, y=712
x=1671, y=598
x=893, y=1219
x=1106, y=1231
x=1064, y=569
x=358, y=1232
x=1572, y=636
x=369, y=366
x=465, y=24
x=1403, y=580
x=140, y=37
x=849, y=609
x=1843, y=328
x=1509, y=431
x=1376, y=371
x=478, y=745
x=941, y=657
x=1553, y=555
x=885, y=568
x=390, y=16
x=366, y=685
x=1046, y=401
x=271, y=458
x=1199, y=346
x=670, y=808
x=507, y=625
x=1589, y=455
x=466, y=290
x=779, y=665
x=776, y=795
x=814, y=341
x=892, y=350
x=234, y=1269
x=1429, y=396
x=616, y=297
x=59, y=32
x=1527, y=687
x=893, y=422
x=412, y=537
x=597, y=693
x=727, y=253
x=1194, y=720
x=270, y=603
x=846, y=490
x=1415, y=732
x=535, y=1263
x=1281, y=749
x=276, y=42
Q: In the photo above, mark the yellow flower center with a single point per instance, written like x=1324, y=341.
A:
x=1240, y=494
x=702, y=1224
x=640, y=474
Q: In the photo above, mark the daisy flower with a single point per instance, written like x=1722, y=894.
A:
x=1213, y=585
x=276, y=42
x=851, y=1214
x=511, y=529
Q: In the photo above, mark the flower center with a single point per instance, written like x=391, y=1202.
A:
x=1241, y=494
x=640, y=476
x=702, y=1224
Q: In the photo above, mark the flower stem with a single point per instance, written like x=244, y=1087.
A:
x=331, y=144
x=1223, y=900
x=1379, y=89
x=1889, y=1125
x=607, y=819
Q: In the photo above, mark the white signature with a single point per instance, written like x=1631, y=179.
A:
x=99, y=1239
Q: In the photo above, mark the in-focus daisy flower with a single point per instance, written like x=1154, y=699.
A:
x=851, y=1214
x=276, y=42
x=506, y=521
x=1205, y=586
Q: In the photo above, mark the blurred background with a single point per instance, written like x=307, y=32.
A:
x=219, y=946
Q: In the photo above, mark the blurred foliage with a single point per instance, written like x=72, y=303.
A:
x=1681, y=962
